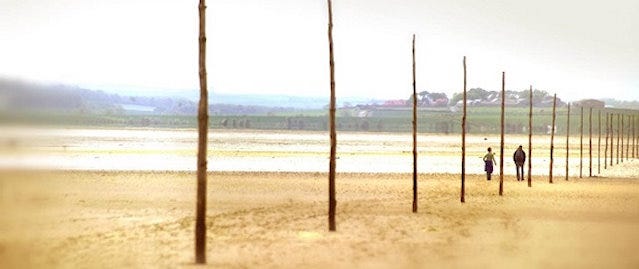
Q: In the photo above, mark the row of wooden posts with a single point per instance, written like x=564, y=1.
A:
x=631, y=146
x=609, y=132
x=200, y=225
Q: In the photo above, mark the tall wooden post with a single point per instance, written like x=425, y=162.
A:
x=552, y=135
x=568, y=142
x=332, y=203
x=501, y=148
x=581, y=142
x=606, y=148
x=530, y=138
x=618, y=134
x=599, y=142
x=590, y=142
x=414, y=133
x=612, y=140
x=628, y=137
x=463, y=173
x=634, y=137
x=621, y=135
x=203, y=120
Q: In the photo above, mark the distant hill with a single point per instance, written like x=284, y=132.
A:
x=22, y=96
x=19, y=95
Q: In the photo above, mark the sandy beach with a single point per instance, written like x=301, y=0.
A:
x=279, y=220
x=82, y=203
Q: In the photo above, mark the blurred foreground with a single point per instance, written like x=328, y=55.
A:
x=102, y=219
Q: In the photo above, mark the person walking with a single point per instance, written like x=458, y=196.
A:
x=489, y=160
x=519, y=157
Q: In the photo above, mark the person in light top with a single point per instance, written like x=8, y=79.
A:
x=489, y=160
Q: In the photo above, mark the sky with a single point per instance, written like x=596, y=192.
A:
x=575, y=48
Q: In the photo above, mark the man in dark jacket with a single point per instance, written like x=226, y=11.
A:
x=519, y=157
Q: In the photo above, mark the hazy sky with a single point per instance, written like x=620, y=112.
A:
x=576, y=48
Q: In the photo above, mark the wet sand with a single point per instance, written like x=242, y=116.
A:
x=97, y=219
x=275, y=151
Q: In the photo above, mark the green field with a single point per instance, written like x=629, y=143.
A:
x=480, y=120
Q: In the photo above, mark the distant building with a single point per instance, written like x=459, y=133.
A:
x=590, y=103
x=395, y=103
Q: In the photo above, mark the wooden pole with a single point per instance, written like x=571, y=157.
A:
x=628, y=137
x=618, y=134
x=581, y=143
x=332, y=203
x=634, y=123
x=203, y=120
x=590, y=142
x=612, y=140
x=414, y=133
x=606, y=148
x=568, y=142
x=501, y=148
x=530, y=138
x=463, y=173
x=552, y=135
x=621, y=135
x=599, y=142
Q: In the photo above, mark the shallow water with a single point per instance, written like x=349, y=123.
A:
x=294, y=151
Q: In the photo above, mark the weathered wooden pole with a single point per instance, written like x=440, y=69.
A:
x=463, y=173
x=203, y=122
x=581, y=142
x=634, y=136
x=332, y=202
x=599, y=142
x=628, y=137
x=621, y=135
x=568, y=142
x=612, y=140
x=618, y=134
x=552, y=135
x=414, y=133
x=501, y=148
x=606, y=148
x=590, y=164
x=634, y=124
x=530, y=138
